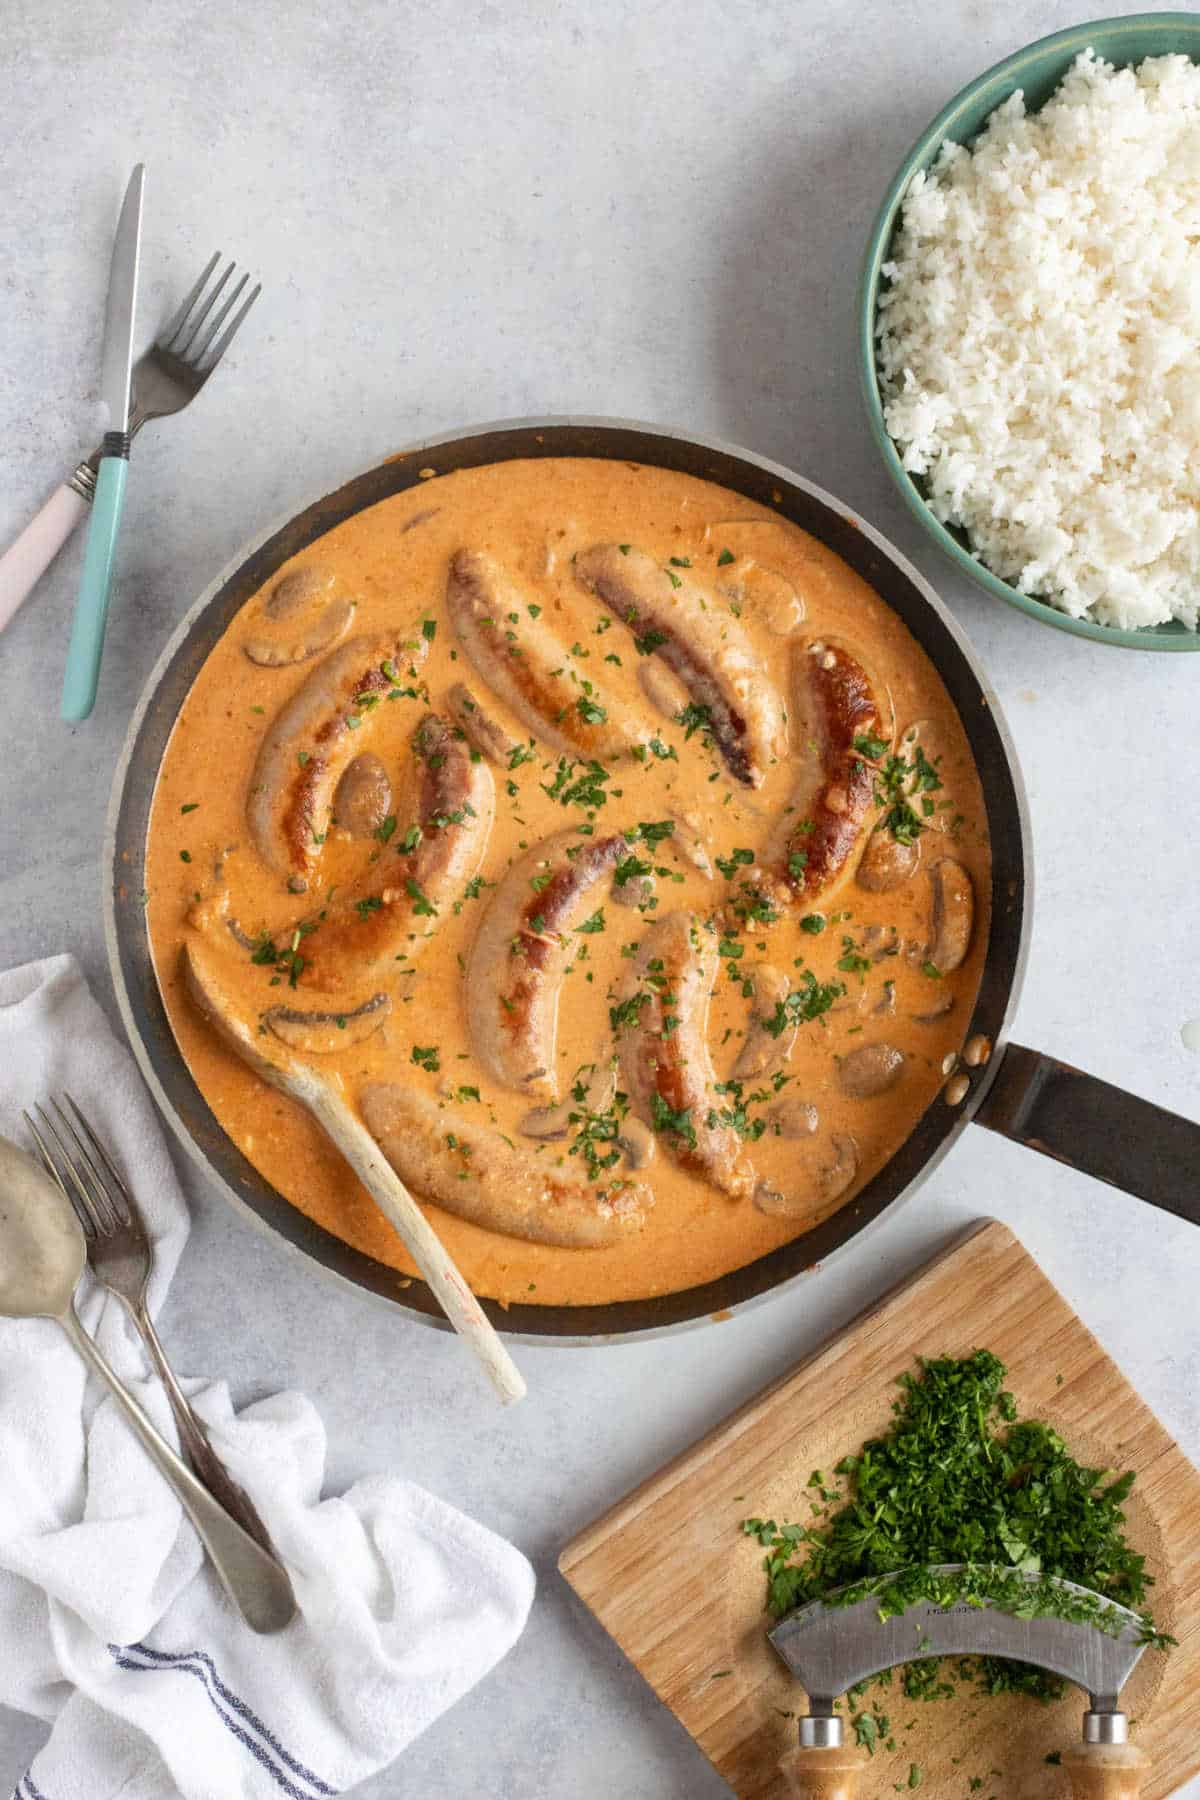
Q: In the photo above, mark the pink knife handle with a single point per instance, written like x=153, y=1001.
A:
x=26, y=560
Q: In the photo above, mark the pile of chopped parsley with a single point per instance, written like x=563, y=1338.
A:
x=960, y=1479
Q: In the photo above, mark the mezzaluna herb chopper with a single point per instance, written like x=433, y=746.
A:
x=967, y=1610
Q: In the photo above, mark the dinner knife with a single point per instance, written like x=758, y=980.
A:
x=830, y=1647
x=91, y=609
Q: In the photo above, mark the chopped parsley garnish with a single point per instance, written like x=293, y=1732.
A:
x=429, y=630
x=595, y=1132
x=426, y=1057
x=680, y=562
x=729, y=865
x=627, y=1012
x=813, y=923
x=652, y=831
x=797, y=862
x=693, y=718
x=960, y=1478
x=384, y=831
x=267, y=954
x=190, y=807
x=411, y=839
x=364, y=908
x=895, y=782
x=594, y=924
x=725, y=557
x=590, y=711
x=870, y=746
x=851, y=962
x=649, y=641
x=806, y=1002
x=423, y=907
x=673, y=578
x=630, y=868
x=586, y=790
x=679, y=1124
x=753, y=906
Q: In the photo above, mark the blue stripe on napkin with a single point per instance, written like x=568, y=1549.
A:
x=225, y=1703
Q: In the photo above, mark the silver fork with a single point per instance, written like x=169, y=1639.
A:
x=120, y=1257
x=166, y=377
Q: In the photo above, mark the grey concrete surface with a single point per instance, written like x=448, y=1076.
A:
x=463, y=211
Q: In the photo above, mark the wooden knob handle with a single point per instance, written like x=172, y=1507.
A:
x=822, y=1774
x=1105, y=1771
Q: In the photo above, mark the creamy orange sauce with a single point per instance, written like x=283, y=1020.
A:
x=533, y=517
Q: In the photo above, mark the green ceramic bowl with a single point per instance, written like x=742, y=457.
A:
x=1037, y=70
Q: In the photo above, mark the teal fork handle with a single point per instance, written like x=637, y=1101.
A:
x=95, y=585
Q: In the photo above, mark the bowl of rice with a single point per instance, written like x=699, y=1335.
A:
x=1029, y=330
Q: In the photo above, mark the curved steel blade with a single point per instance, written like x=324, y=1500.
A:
x=116, y=377
x=829, y=1648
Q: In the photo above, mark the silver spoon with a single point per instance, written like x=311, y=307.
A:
x=42, y=1256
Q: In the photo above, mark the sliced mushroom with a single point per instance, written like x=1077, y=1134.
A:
x=547, y=1123
x=324, y=1033
x=635, y=892
x=940, y=1008
x=886, y=863
x=363, y=797
x=837, y=1175
x=480, y=729
x=768, y=595
x=953, y=914
x=871, y=1070
x=829, y=1179
x=297, y=591
x=556, y=545
x=212, y=911
x=662, y=687
x=765, y=1050
x=550, y=1123
x=924, y=735
x=240, y=937
x=636, y=1142
x=793, y=1118
x=880, y=941
x=307, y=639
x=688, y=842
x=420, y=518
x=886, y=1003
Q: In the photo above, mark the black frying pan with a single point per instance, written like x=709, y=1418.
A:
x=1043, y=1103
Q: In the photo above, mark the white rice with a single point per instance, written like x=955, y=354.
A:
x=1038, y=342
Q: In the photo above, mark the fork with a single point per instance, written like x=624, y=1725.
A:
x=120, y=1257
x=168, y=376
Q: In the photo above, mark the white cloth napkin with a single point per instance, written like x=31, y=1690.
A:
x=112, y=1627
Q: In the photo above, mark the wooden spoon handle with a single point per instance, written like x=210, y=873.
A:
x=1105, y=1771
x=207, y=984
x=822, y=1774
x=415, y=1232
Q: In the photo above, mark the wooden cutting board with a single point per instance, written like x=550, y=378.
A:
x=669, y=1574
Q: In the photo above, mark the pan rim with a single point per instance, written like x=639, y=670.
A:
x=109, y=873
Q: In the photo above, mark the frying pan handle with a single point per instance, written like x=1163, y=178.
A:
x=1105, y=1771
x=822, y=1774
x=1093, y=1126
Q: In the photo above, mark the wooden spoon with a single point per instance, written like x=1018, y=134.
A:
x=318, y=1096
